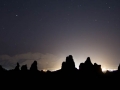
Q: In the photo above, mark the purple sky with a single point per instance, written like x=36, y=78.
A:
x=50, y=30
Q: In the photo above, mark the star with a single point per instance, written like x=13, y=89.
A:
x=16, y=15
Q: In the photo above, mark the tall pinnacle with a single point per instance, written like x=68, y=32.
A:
x=69, y=63
x=88, y=61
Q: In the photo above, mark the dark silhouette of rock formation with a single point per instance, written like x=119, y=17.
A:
x=34, y=66
x=17, y=68
x=87, y=76
x=68, y=64
x=119, y=67
x=24, y=68
x=97, y=68
x=88, y=68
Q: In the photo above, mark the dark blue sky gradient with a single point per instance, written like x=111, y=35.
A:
x=61, y=27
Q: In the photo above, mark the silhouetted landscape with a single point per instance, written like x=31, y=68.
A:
x=59, y=44
x=87, y=76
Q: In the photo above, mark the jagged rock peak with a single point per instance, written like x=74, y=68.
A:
x=95, y=64
x=88, y=61
x=68, y=58
x=119, y=67
x=17, y=67
x=68, y=64
x=63, y=65
x=34, y=66
x=70, y=61
x=81, y=66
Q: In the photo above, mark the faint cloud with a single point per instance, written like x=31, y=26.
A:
x=45, y=61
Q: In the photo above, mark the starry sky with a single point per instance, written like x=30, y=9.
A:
x=50, y=30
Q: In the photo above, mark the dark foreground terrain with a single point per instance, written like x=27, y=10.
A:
x=88, y=76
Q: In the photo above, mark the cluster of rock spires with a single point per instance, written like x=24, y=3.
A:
x=24, y=67
x=87, y=74
x=88, y=66
x=67, y=65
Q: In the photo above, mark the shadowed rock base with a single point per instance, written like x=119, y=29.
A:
x=88, y=76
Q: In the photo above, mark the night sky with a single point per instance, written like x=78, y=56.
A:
x=50, y=30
